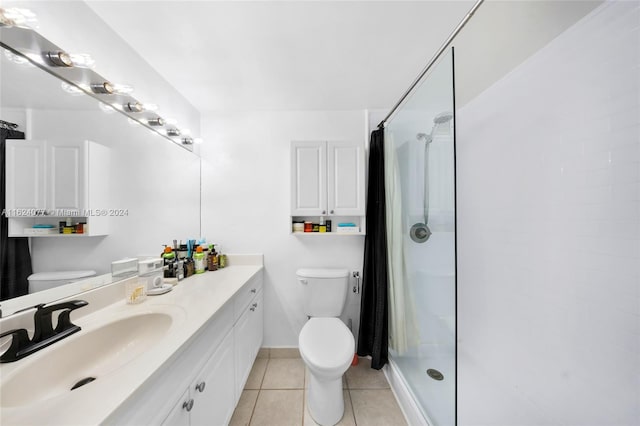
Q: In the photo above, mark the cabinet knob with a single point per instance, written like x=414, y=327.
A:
x=188, y=405
x=331, y=212
x=324, y=212
x=200, y=386
x=253, y=290
x=255, y=305
x=252, y=309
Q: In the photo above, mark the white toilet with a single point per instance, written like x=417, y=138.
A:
x=325, y=343
x=46, y=280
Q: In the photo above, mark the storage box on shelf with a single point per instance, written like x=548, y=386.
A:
x=50, y=181
x=328, y=184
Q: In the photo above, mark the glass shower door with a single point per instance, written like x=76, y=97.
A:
x=420, y=185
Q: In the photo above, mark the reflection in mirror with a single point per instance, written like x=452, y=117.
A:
x=149, y=192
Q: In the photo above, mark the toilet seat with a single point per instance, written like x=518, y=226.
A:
x=326, y=345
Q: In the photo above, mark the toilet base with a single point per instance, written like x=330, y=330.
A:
x=325, y=400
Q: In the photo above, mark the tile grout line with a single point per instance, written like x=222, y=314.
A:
x=255, y=404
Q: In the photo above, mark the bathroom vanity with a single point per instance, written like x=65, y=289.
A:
x=179, y=358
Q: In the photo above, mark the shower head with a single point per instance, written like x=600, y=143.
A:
x=443, y=117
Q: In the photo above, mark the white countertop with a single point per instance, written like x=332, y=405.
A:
x=199, y=296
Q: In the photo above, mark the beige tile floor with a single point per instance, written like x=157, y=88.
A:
x=275, y=394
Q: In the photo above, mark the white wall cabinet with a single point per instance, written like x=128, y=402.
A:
x=328, y=179
x=203, y=383
x=48, y=181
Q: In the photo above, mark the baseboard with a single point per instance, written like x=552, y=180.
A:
x=412, y=413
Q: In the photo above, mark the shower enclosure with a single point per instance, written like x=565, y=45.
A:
x=420, y=185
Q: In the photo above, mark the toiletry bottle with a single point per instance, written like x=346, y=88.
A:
x=213, y=258
x=189, y=268
x=199, y=260
x=205, y=252
x=222, y=260
x=169, y=260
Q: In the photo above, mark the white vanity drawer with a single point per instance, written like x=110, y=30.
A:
x=246, y=294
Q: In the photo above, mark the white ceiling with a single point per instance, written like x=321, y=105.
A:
x=286, y=55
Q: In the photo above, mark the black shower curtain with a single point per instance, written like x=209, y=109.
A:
x=373, y=338
x=15, y=260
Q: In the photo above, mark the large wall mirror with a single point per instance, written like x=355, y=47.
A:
x=153, y=184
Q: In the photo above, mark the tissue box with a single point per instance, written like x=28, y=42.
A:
x=348, y=228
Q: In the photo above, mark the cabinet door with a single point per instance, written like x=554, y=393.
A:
x=25, y=183
x=248, y=333
x=241, y=333
x=67, y=175
x=256, y=326
x=179, y=415
x=214, y=400
x=308, y=178
x=345, y=174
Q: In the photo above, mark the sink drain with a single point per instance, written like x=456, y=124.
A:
x=83, y=382
x=435, y=374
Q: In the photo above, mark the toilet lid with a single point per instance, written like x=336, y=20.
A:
x=60, y=275
x=326, y=342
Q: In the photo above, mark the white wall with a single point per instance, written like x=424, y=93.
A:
x=549, y=234
x=246, y=205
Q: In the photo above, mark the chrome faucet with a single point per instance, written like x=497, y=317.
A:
x=44, y=333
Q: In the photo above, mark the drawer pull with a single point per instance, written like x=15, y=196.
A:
x=253, y=290
x=200, y=386
x=188, y=405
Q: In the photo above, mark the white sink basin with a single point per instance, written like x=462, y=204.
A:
x=97, y=350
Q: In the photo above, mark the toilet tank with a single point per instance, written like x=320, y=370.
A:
x=46, y=280
x=325, y=291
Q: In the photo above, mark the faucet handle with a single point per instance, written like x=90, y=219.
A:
x=19, y=341
x=43, y=322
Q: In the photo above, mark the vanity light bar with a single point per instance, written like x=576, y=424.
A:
x=47, y=54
